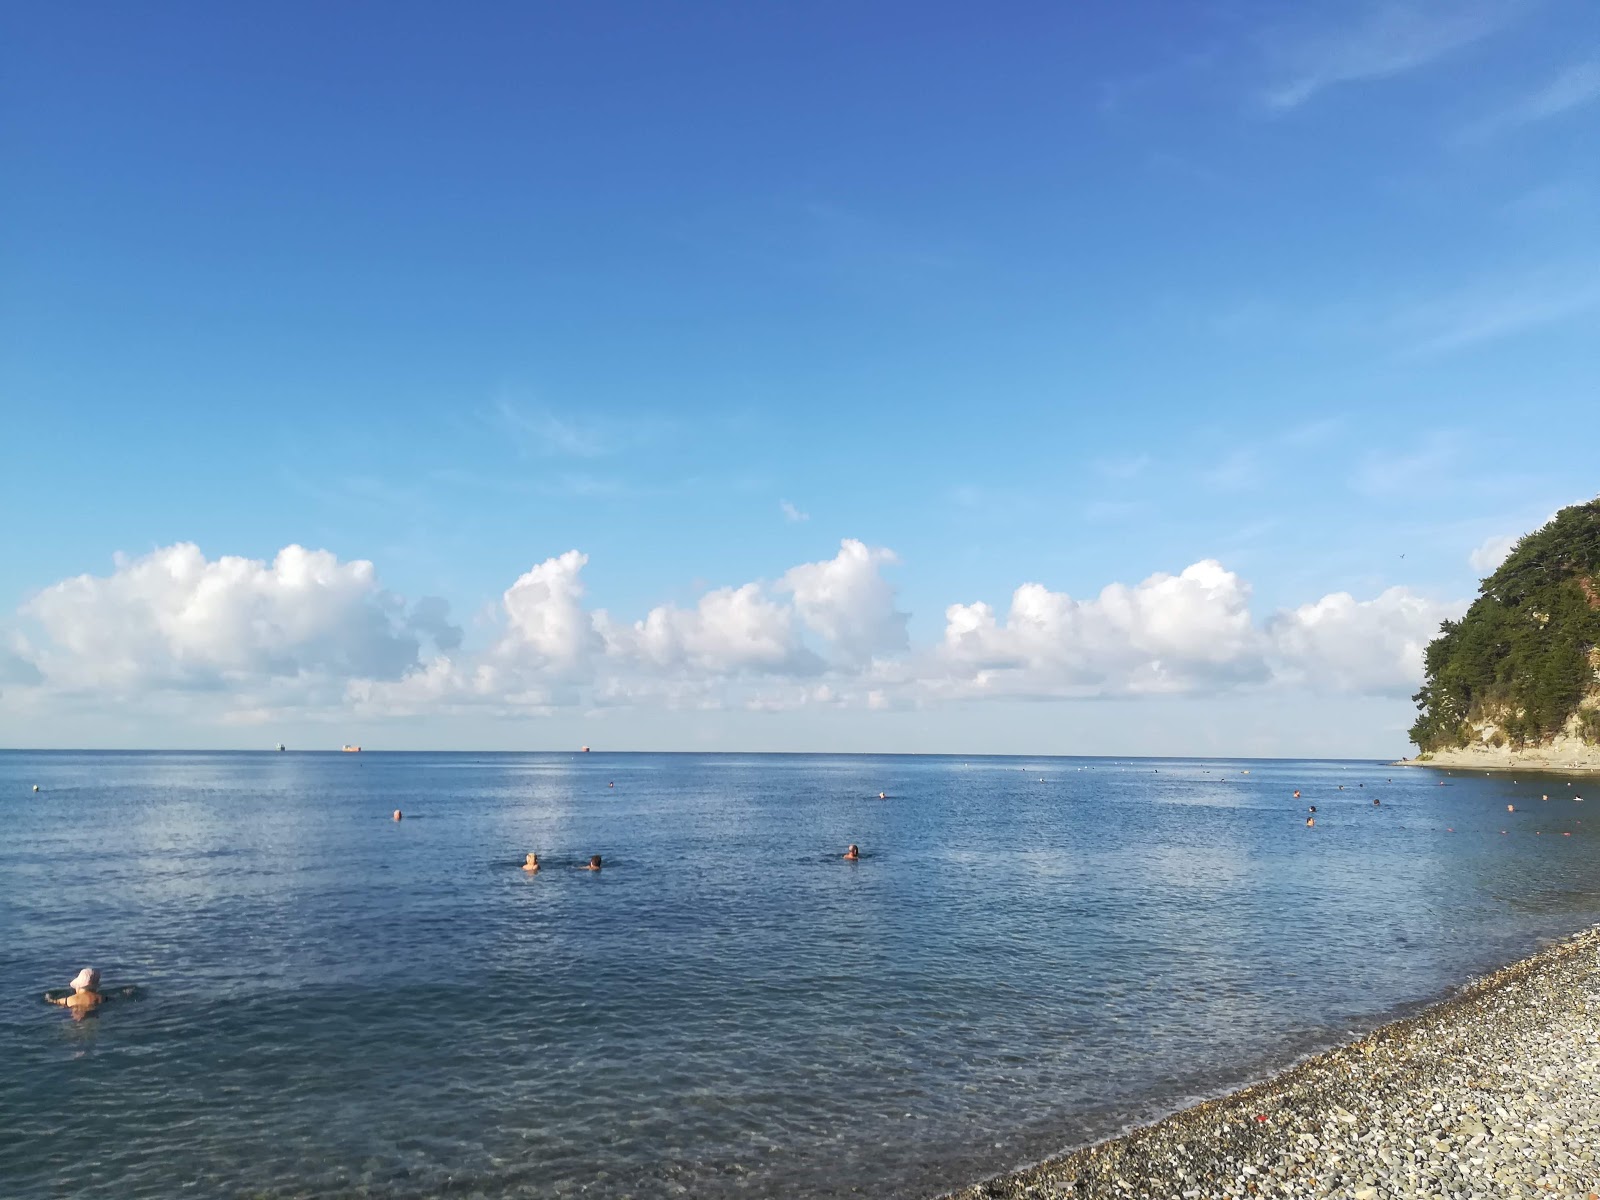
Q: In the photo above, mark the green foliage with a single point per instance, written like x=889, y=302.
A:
x=1520, y=657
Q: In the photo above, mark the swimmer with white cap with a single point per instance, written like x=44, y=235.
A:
x=85, y=994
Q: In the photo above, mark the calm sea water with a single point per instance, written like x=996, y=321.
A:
x=1030, y=954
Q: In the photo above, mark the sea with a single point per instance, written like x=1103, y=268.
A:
x=1030, y=953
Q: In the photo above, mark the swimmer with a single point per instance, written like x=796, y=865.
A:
x=1297, y=793
x=853, y=854
x=397, y=814
x=1310, y=822
x=611, y=785
x=531, y=863
x=1313, y=808
x=85, y=994
x=881, y=796
x=593, y=864
x=1376, y=802
x=1511, y=808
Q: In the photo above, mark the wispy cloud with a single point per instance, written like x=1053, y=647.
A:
x=1312, y=433
x=544, y=434
x=1485, y=313
x=1236, y=471
x=1389, y=38
x=791, y=513
x=1572, y=89
x=1127, y=467
x=1425, y=465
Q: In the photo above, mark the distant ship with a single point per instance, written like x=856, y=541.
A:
x=281, y=747
x=351, y=749
x=585, y=750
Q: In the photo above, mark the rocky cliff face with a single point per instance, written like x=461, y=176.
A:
x=1517, y=680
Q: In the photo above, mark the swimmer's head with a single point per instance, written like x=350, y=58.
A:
x=532, y=861
x=86, y=980
x=397, y=814
x=853, y=852
x=594, y=862
x=1310, y=821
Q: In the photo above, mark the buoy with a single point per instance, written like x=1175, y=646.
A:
x=36, y=787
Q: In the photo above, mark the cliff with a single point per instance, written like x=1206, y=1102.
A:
x=1516, y=681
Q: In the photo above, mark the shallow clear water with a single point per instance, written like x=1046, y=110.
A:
x=1031, y=953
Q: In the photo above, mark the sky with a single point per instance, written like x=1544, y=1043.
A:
x=1111, y=378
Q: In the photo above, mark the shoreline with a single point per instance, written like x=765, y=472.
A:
x=1492, y=1091
x=1544, y=760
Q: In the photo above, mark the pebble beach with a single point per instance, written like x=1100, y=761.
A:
x=1491, y=1094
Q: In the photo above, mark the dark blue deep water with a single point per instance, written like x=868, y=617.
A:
x=1032, y=953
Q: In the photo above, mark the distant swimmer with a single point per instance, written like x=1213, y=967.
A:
x=611, y=785
x=397, y=814
x=1297, y=793
x=594, y=863
x=1511, y=808
x=1376, y=802
x=531, y=863
x=85, y=995
x=36, y=787
x=1313, y=808
x=853, y=854
x=1310, y=822
x=881, y=796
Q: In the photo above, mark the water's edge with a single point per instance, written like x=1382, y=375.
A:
x=1072, y=1161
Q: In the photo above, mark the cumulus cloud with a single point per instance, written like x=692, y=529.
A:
x=308, y=633
x=175, y=619
x=1171, y=633
x=1494, y=551
x=792, y=514
x=730, y=631
x=848, y=602
x=1343, y=644
x=545, y=617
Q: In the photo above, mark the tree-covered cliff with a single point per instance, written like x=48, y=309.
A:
x=1521, y=663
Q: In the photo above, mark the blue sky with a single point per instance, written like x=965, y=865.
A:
x=1070, y=295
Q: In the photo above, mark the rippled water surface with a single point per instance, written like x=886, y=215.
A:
x=1031, y=953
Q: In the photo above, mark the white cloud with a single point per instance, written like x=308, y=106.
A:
x=1339, y=643
x=1388, y=38
x=545, y=617
x=1171, y=633
x=729, y=632
x=848, y=603
x=309, y=636
x=1492, y=552
x=1573, y=88
x=791, y=513
x=174, y=619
